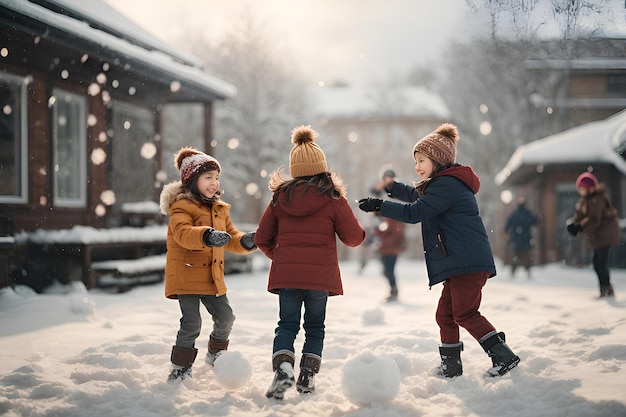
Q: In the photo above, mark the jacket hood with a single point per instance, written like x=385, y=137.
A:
x=304, y=201
x=465, y=174
x=173, y=192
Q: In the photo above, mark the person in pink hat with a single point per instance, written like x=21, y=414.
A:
x=596, y=218
x=199, y=231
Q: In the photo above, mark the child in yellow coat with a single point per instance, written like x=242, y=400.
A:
x=199, y=231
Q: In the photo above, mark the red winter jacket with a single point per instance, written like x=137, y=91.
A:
x=300, y=239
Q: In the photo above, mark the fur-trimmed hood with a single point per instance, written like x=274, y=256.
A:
x=173, y=192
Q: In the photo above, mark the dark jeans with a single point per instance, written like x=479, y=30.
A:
x=290, y=303
x=389, y=266
x=601, y=265
x=191, y=321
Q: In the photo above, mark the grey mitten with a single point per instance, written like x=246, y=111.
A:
x=247, y=241
x=216, y=238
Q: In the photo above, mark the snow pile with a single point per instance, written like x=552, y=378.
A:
x=369, y=379
x=114, y=362
x=373, y=316
x=232, y=370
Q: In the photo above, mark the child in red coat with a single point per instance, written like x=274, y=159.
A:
x=298, y=233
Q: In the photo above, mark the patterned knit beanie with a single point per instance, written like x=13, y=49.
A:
x=306, y=158
x=191, y=162
x=440, y=145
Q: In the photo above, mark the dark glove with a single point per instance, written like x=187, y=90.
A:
x=247, y=241
x=370, y=204
x=216, y=238
x=574, y=228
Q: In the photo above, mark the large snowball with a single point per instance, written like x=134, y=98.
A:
x=369, y=379
x=232, y=370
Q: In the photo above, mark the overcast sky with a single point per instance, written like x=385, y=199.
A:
x=354, y=41
x=350, y=40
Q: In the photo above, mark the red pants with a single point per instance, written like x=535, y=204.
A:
x=458, y=306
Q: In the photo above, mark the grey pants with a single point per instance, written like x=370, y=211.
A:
x=191, y=320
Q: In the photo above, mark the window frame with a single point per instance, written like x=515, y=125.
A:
x=21, y=198
x=81, y=200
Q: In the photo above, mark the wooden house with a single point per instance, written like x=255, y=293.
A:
x=82, y=91
x=545, y=172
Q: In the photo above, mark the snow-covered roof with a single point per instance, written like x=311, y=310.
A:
x=103, y=15
x=145, y=51
x=348, y=102
x=589, y=143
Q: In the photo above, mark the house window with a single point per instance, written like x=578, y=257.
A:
x=13, y=140
x=69, y=149
x=133, y=155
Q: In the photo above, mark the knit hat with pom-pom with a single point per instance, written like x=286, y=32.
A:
x=191, y=162
x=440, y=145
x=306, y=158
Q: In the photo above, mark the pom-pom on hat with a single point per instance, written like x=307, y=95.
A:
x=440, y=145
x=191, y=162
x=306, y=157
x=586, y=180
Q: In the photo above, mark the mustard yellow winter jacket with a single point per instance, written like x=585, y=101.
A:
x=191, y=266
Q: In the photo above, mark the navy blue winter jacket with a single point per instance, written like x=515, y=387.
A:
x=454, y=236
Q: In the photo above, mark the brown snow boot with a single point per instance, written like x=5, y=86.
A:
x=182, y=360
x=282, y=364
x=309, y=366
x=216, y=348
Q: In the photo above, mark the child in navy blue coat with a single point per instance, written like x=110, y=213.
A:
x=456, y=246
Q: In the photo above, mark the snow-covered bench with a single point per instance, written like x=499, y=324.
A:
x=81, y=253
x=123, y=273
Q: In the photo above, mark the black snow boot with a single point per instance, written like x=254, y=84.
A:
x=282, y=363
x=309, y=366
x=606, y=291
x=502, y=357
x=451, y=364
x=393, y=294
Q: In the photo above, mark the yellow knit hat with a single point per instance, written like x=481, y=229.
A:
x=306, y=158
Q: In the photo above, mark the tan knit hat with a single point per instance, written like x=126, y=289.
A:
x=440, y=145
x=306, y=158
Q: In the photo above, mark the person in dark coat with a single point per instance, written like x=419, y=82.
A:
x=518, y=227
x=298, y=232
x=456, y=246
x=596, y=218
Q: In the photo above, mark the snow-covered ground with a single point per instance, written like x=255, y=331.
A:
x=97, y=353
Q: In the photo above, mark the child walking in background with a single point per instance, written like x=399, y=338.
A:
x=596, y=218
x=199, y=231
x=298, y=233
x=456, y=246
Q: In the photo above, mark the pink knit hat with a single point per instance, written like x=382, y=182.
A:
x=586, y=180
x=191, y=162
